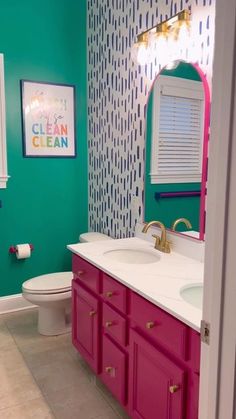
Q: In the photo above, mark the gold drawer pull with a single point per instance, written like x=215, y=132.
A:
x=173, y=389
x=92, y=313
x=111, y=371
x=109, y=294
x=79, y=273
x=150, y=325
x=108, y=324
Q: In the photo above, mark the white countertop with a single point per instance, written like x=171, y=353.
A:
x=158, y=282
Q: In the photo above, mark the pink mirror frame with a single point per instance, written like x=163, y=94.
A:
x=202, y=219
x=202, y=212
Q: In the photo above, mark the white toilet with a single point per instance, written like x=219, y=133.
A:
x=52, y=293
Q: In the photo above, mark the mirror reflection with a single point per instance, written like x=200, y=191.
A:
x=176, y=149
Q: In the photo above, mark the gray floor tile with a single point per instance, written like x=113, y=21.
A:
x=41, y=375
x=36, y=409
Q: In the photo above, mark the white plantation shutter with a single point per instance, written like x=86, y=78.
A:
x=177, y=136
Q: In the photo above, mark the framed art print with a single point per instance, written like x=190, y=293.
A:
x=48, y=119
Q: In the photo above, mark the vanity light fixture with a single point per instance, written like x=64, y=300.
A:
x=164, y=40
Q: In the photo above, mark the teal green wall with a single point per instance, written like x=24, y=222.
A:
x=184, y=71
x=45, y=202
x=169, y=209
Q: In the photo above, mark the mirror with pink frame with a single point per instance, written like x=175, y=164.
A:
x=177, y=130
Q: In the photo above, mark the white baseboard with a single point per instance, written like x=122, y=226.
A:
x=14, y=302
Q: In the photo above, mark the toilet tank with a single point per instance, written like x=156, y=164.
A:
x=92, y=237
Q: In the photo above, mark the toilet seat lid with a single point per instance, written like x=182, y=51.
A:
x=49, y=283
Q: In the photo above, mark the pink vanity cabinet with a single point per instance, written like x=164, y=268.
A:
x=147, y=358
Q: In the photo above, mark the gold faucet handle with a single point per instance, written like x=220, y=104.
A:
x=158, y=240
x=167, y=246
x=163, y=247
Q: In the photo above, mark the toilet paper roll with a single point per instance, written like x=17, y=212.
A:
x=23, y=251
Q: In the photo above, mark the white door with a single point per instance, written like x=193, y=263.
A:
x=218, y=369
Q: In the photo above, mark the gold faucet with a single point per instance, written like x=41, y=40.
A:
x=162, y=243
x=181, y=220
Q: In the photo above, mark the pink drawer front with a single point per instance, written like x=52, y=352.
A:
x=86, y=273
x=160, y=326
x=114, y=324
x=114, y=293
x=114, y=369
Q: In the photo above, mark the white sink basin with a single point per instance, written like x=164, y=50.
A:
x=132, y=256
x=193, y=294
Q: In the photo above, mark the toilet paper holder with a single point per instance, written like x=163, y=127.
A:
x=12, y=249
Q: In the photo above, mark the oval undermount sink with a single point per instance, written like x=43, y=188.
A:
x=132, y=256
x=193, y=294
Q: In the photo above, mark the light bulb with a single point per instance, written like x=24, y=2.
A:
x=140, y=50
x=184, y=38
x=183, y=32
x=172, y=48
x=143, y=54
x=194, y=51
x=134, y=52
x=162, y=50
x=158, y=44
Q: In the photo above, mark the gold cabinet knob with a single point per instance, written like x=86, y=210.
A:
x=150, y=325
x=173, y=389
x=108, y=324
x=92, y=313
x=109, y=294
x=108, y=369
x=80, y=273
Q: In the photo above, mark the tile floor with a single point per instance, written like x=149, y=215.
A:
x=44, y=377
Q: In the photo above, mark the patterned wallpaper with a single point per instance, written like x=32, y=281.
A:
x=117, y=96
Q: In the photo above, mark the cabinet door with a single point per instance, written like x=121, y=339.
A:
x=85, y=336
x=114, y=369
x=156, y=383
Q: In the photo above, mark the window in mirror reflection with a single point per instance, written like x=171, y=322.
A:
x=174, y=145
x=177, y=130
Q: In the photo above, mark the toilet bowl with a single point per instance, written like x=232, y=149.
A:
x=52, y=294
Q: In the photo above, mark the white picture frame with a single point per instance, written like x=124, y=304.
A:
x=48, y=119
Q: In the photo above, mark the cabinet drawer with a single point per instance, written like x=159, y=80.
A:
x=114, y=324
x=114, y=369
x=115, y=293
x=160, y=326
x=86, y=272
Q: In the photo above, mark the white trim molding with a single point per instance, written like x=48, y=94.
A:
x=14, y=302
x=3, y=151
